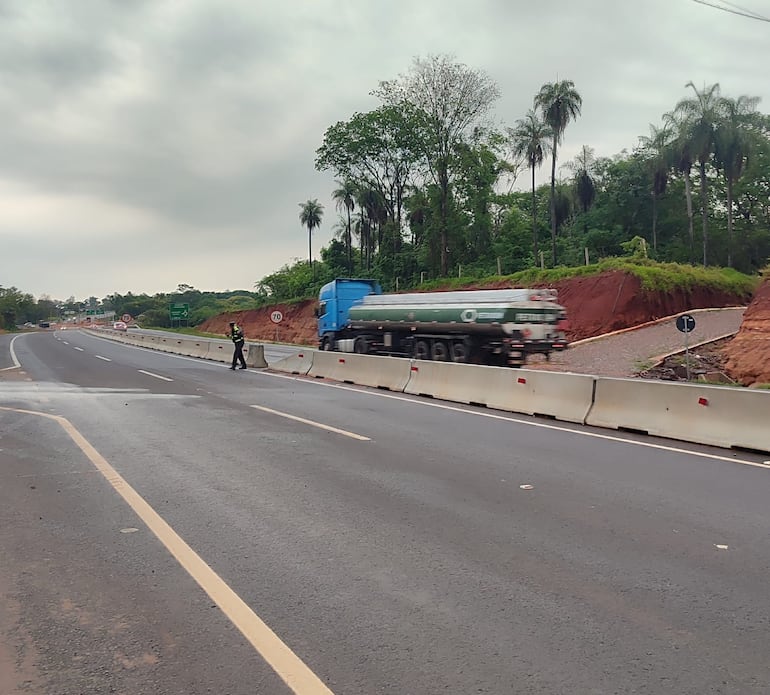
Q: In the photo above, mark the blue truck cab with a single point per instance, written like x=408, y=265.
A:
x=334, y=302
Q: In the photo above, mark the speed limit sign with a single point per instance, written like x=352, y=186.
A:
x=276, y=317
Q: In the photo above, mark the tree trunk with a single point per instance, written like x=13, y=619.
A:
x=553, y=202
x=534, y=214
x=654, y=221
x=349, y=243
x=704, y=211
x=443, y=222
x=688, y=196
x=729, y=222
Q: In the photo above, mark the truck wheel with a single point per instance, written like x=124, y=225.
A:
x=361, y=346
x=421, y=350
x=439, y=351
x=459, y=352
x=326, y=344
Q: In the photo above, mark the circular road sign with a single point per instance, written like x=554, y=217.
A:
x=125, y=318
x=276, y=317
x=685, y=323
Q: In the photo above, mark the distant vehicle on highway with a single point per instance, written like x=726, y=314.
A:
x=119, y=326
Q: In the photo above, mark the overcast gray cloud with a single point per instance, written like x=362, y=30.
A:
x=149, y=143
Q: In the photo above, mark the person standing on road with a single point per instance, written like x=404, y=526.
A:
x=236, y=335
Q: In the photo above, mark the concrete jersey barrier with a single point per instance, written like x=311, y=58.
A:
x=368, y=370
x=565, y=397
x=719, y=416
x=299, y=363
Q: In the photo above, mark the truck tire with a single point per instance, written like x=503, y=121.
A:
x=326, y=344
x=361, y=346
x=439, y=351
x=421, y=350
x=459, y=352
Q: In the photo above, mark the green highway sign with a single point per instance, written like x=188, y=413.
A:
x=179, y=312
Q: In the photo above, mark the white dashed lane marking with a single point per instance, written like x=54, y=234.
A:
x=156, y=376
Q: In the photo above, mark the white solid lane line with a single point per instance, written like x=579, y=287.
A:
x=106, y=359
x=313, y=423
x=157, y=376
x=519, y=421
x=14, y=359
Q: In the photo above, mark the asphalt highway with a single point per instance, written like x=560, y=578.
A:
x=170, y=526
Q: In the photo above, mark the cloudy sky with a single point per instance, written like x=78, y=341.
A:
x=147, y=143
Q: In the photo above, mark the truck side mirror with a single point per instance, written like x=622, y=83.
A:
x=316, y=313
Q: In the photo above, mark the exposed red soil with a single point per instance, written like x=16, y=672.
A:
x=608, y=302
x=595, y=305
x=748, y=354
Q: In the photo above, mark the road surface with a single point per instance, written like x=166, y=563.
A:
x=175, y=511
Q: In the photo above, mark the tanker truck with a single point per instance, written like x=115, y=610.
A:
x=493, y=327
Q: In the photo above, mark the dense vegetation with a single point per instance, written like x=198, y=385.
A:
x=425, y=195
x=17, y=308
x=425, y=185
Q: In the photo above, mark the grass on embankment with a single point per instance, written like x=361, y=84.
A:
x=186, y=331
x=654, y=277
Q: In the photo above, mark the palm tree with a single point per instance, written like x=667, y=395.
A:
x=310, y=216
x=732, y=147
x=531, y=139
x=345, y=198
x=585, y=189
x=700, y=115
x=680, y=152
x=656, y=151
x=559, y=103
x=372, y=208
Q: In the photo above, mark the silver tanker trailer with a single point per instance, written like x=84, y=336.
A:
x=494, y=327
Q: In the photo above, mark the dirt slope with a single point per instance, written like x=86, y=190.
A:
x=749, y=352
x=595, y=305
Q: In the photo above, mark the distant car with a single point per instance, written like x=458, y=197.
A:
x=119, y=326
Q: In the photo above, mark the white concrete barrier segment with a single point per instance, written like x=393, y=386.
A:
x=220, y=352
x=720, y=416
x=461, y=383
x=197, y=348
x=563, y=396
x=299, y=363
x=368, y=370
x=255, y=355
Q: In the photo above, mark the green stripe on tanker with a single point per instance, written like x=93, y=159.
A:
x=529, y=312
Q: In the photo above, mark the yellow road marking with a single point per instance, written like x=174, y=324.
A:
x=289, y=667
x=313, y=423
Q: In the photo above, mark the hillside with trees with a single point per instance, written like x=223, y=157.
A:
x=426, y=185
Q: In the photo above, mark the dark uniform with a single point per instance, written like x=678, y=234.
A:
x=236, y=335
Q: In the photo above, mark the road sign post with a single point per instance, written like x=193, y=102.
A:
x=179, y=312
x=276, y=317
x=686, y=324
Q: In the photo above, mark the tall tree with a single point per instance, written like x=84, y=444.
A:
x=375, y=150
x=559, y=102
x=345, y=199
x=531, y=139
x=453, y=98
x=585, y=189
x=655, y=150
x=310, y=215
x=732, y=147
x=681, y=153
x=700, y=114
